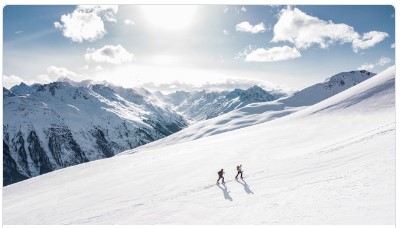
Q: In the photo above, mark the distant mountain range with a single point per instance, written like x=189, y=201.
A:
x=265, y=111
x=52, y=126
x=56, y=125
x=201, y=105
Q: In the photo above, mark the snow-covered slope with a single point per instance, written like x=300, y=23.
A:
x=201, y=105
x=331, y=163
x=52, y=126
x=260, y=112
x=321, y=91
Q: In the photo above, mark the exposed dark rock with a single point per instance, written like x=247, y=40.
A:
x=10, y=171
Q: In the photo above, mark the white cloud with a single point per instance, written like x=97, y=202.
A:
x=91, y=68
x=304, y=31
x=393, y=45
x=225, y=9
x=380, y=62
x=273, y=54
x=11, y=80
x=86, y=22
x=243, y=9
x=220, y=85
x=368, y=40
x=366, y=66
x=225, y=32
x=108, y=12
x=109, y=54
x=383, y=61
x=154, y=78
x=246, y=27
x=56, y=72
x=53, y=74
x=129, y=22
x=248, y=49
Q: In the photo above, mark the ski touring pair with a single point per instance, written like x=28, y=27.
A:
x=221, y=173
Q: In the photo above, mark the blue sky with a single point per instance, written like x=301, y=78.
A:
x=196, y=46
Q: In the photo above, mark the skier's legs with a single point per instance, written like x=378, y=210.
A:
x=237, y=175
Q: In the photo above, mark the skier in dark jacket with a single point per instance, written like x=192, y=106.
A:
x=239, y=170
x=220, y=176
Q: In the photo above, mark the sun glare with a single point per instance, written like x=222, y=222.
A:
x=170, y=17
x=165, y=59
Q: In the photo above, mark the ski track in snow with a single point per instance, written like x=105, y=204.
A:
x=378, y=131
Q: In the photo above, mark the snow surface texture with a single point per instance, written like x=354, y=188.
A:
x=331, y=163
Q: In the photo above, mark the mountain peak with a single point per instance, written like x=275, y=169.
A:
x=252, y=94
x=347, y=79
x=351, y=75
x=54, y=86
x=255, y=87
x=21, y=89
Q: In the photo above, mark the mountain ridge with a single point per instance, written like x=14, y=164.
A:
x=257, y=113
x=59, y=125
x=200, y=105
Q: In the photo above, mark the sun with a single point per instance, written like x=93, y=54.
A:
x=169, y=17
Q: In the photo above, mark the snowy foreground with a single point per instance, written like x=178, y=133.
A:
x=331, y=163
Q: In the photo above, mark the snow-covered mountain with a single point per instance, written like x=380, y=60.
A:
x=260, y=112
x=331, y=86
x=329, y=163
x=73, y=110
x=201, y=105
x=48, y=127
x=85, y=106
x=56, y=125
